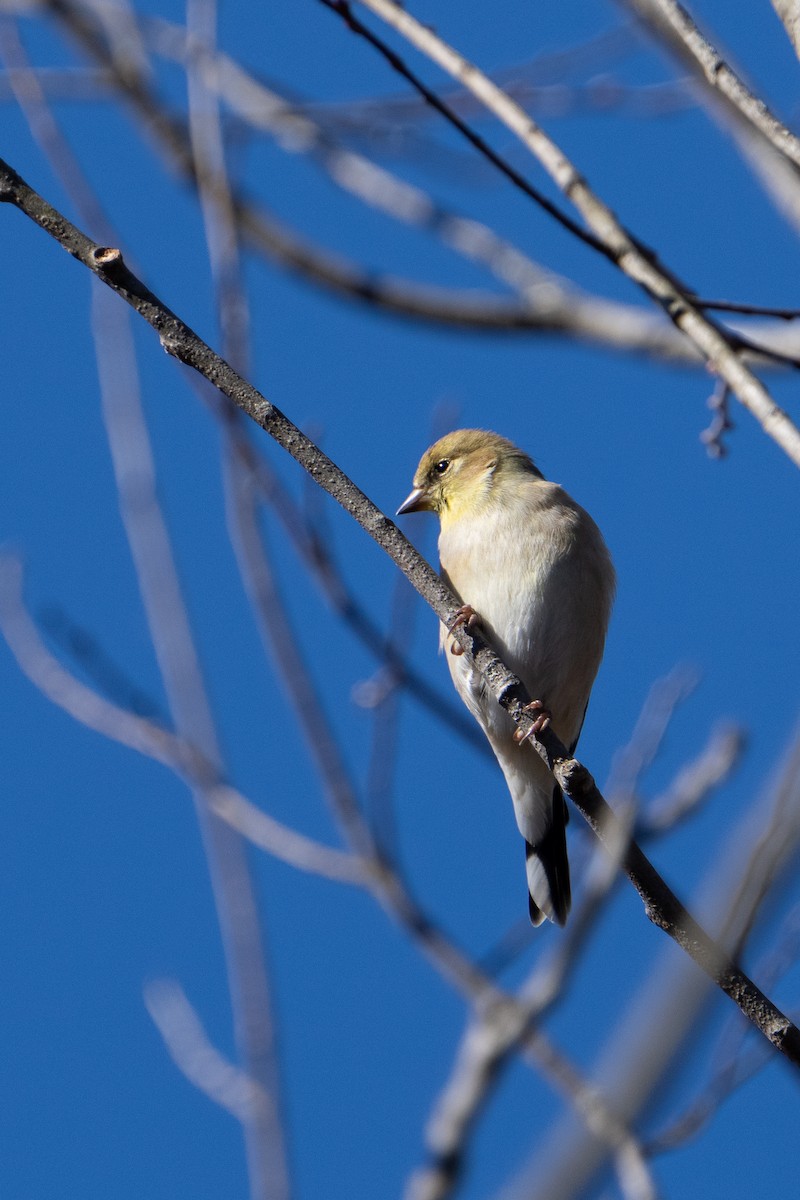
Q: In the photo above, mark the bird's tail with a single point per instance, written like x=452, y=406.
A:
x=547, y=868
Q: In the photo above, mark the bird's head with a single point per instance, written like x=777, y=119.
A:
x=465, y=472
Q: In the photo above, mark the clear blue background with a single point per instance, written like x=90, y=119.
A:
x=104, y=884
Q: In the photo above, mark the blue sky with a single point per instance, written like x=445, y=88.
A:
x=105, y=887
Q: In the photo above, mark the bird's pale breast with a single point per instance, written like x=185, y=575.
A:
x=536, y=571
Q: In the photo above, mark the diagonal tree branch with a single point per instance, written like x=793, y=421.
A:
x=661, y=905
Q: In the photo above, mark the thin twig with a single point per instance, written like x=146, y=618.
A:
x=735, y=1059
x=759, y=310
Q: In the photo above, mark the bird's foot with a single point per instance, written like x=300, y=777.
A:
x=539, y=723
x=466, y=615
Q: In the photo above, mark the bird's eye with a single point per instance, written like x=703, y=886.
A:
x=442, y=466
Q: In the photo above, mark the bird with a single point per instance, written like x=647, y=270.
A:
x=531, y=567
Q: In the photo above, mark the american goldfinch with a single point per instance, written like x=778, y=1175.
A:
x=532, y=567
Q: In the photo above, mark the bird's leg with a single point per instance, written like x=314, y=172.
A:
x=466, y=615
x=541, y=722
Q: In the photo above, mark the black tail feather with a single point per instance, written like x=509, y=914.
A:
x=547, y=869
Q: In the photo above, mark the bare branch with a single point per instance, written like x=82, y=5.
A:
x=195, y=1057
x=487, y=1045
x=318, y=557
x=694, y=782
x=487, y=1040
x=61, y=83
x=297, y=131
x=173, y=640
x=630, y=762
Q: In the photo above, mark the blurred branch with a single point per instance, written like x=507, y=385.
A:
x=717, y=345
x=694, y=782
x=196, y=1058
x=61, y=83
x=314, y=551
x=171, y=634
x=153, y=741
x=487, y=1045
x=479, y=143
x=281, y=644
x=690, y=787
x=661, y=905
x=720, y=424
x=186, y=1046
x=541, y=83
x=296, y=131
x=547, y=983
x=26, y=87
x=272, y=620
x=484, y=1046
x=632, y=760
x=215, y=192
x=773, y=848
x=241, y=923
x=493, y=1036
x=381, y=696
x=317, y=556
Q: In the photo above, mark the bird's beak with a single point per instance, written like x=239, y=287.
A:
x=416, y=502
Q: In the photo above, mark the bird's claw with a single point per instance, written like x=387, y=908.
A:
x=467, y=616
x=539, y=723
